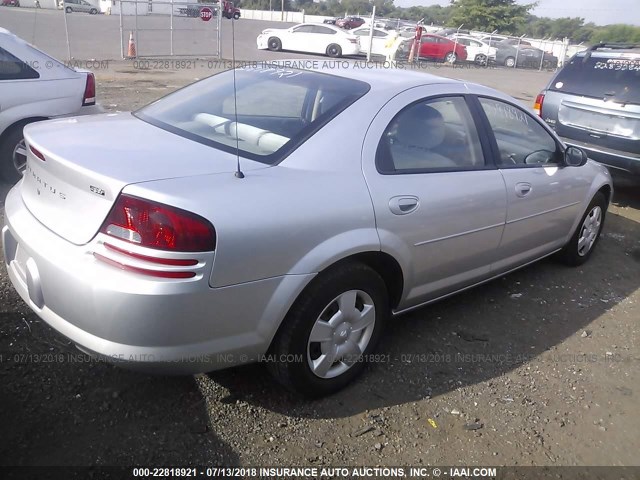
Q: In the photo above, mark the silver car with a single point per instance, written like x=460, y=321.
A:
x=83, y=6
x=210, y=229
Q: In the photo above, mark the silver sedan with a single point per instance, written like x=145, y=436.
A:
x=220, y=225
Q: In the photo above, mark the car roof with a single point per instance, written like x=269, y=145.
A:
x=612, y=53
x=379, y=78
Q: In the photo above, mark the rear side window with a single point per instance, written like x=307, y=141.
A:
x=12, y=68
x=432, y=135
x=615, y=79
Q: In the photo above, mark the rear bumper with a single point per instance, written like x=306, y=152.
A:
x=158, y=326
x=624, y=162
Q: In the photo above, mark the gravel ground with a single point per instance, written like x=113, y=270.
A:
x=537, y=368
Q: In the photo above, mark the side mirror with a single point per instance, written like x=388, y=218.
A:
x=575, y=157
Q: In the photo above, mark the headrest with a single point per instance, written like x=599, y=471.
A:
x=420, y=126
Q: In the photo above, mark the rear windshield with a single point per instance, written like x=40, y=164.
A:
x=277, y=109
x=615, y=79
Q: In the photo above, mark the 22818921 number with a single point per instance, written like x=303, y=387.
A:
x=164, y=472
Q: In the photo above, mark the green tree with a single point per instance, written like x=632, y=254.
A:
x=616, y=33
x=489, y=15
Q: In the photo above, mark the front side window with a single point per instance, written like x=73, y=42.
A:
x=277, y=109
x=431, y=135
x=12, y=68
x=521, y=139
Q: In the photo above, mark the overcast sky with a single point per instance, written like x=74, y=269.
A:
x=601, y=12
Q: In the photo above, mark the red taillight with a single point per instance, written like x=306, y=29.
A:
x=89, y=91
x=537, y=106
x=154, y=225
x=37, y=153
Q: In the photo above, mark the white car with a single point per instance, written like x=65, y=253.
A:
x=477, y=51
x=380, y=42
x=33, y=87
x=310, y=38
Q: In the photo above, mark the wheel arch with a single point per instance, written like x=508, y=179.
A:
x=382, y=263
x=607, y=191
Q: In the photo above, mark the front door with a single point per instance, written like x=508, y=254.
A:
x=543, y=196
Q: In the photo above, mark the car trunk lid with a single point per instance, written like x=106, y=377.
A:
x=76, y=167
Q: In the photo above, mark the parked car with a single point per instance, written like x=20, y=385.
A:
x=594, y=102
x=477, y=51
x=349, y=22
x=379, y=43
x=435, y=47
x=81, y=6
x=493, y=38
x=331, y=21
x=525, y=56
x=447, y=32
x=33, y=87
x=10, y=3
x=516, y=41
x=214, y=243
x=310, y=38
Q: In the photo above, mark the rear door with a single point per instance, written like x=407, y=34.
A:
x=543, y=196
x=597, y=100
x=302, y=38
x=428, y=47
x=323, y=37
x=439, y=204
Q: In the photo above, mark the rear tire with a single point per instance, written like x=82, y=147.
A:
x=334, y=50
x=451, y=57
x=93, y=11
x=68, y=9
x=10, y=169
x=236, y=16
x=481, y=60
x=330, y=331
x=584, y=240
x=274, y=44
x=510, y=62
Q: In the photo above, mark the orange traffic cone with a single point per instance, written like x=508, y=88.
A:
x=132, y=47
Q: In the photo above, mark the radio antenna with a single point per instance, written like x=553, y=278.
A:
x=238, y=173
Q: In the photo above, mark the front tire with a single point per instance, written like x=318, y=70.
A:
x=236, y=16
x=584, y=240
x=274, y=44
x=13, y=155
x=334, y=50
x=68, y=9
x=93, y=11
x=510, y=62
x=327, y=336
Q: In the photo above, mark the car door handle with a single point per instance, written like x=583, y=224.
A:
x=403, y=204
x=523, y=189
